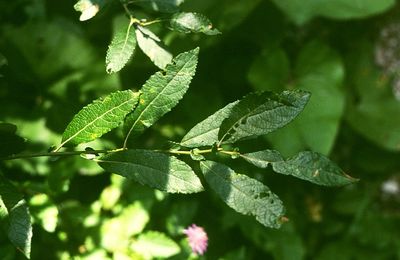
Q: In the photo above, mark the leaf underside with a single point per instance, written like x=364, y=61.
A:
x=244, y=194
x=100, y=117
x=157, y=170
x=152, y=46
x=121, y=48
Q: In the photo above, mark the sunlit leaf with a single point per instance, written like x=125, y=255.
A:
x=14, y=213
x=162, y=92
x=152, y=46
x=88, y=8
x=206, y=132
x=154, y=169
x=117, y=231
x=121, y=48
x=244, y=194
x=192, y=23
x=100, y=117
x=261, y=113
x=153, y=244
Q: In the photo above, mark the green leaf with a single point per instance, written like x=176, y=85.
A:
x=116, y=232
x=153, y=244
x=261, y=113
x=163, y=6
x=162, y=92
x=154, y=169
x=302, y=11
x=373, y=113
x=14, y=213
x=151, y=45
x=121, y=48
x=244, y=194
x=88, y=8
x=313, y=167
x=100, y=117
x=263, y=158
x=319, y=70
x=205, y=133
x=270, y=70
x=192, y=23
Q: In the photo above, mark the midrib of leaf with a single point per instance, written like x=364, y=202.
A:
x=127, y=35
x=247, y=115
x=197, y=136
x=144, y=166
x=84, y=128
x=161, y=92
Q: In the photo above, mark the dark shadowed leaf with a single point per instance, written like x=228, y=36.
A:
x=10, y=142
x=244, y=194
x=302, y=11
x=163, y=6
x=154, y=169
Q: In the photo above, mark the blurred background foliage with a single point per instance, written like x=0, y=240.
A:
x=346, y=53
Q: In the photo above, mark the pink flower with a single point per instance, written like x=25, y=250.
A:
x=197, y=238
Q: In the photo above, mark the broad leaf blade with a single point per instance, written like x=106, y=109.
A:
x=244, y=194
x=14, y=213
x=261, y=113
x=151, y=45
x=162, y=92
x=100, y=117
x=313, y=167
x=153, y=244
x=263, y=158
x=163, y=6
x=205, y=133
x=192, y=23
x=154, y=169
x=121, y=48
